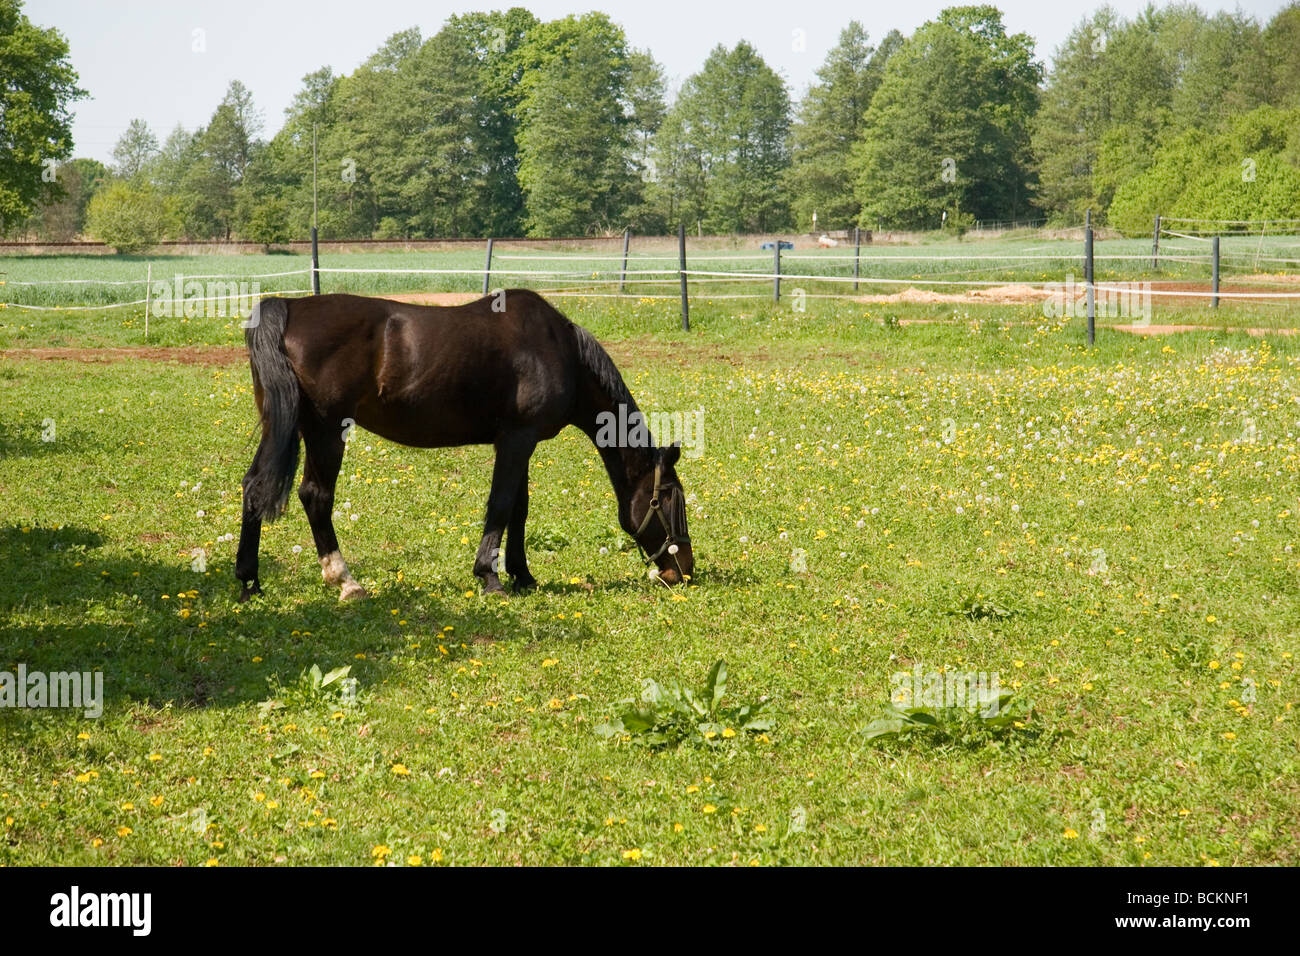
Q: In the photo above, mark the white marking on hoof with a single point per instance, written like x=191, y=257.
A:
x=333, y=568
x=335, y=571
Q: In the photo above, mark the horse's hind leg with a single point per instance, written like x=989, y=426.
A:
x=516, y=560
x=250, y=539
x=513, y=452
x=325, y=447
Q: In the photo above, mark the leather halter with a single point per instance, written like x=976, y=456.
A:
x=670, y=536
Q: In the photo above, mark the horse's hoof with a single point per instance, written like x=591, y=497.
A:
x=248, y=592
x=523, y=585
x=352, y=592
x=495, y=589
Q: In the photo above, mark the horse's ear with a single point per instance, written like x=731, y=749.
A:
x=669, y=456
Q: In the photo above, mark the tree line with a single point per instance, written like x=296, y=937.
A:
x=502, y=124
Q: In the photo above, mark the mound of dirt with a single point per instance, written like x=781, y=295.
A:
x=435, y=298
x=995, y=295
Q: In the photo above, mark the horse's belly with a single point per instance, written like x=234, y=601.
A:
x=423, y=427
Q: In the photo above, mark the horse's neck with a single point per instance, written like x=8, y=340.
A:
x=624, y=465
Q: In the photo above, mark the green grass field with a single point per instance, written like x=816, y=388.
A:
x=1113, y=532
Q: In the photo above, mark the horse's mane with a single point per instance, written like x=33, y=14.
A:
x=596, y=360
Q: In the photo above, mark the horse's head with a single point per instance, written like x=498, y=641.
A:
x=658, y=511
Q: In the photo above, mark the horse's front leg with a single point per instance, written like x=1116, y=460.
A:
x=513, y=452
x=320, y=473
x=516, y=559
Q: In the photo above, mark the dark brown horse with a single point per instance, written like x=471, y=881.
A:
x=507, y=370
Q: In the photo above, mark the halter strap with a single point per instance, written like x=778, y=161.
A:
x=670, y=536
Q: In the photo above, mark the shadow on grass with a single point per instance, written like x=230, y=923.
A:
x=44, y=437
x=165, y=634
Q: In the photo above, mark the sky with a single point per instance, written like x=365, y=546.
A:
x=170, y=61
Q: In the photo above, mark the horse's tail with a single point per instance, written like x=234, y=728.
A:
x=270, y=478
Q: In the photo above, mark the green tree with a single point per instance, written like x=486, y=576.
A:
x=493, y=40
x=37, y=88
x=134, y=149
x=282, y=170
x=646, y=87
x=268, y=222
x=575, y=164
x=948, y=129
x=1246, y=171
x=829, y=122
x=166, y=169
x=1078, y=103
x=203, y=172
x=722, y=152
x=646, y=108
x=65, y=219
x=449, y=191
x=129, y=217
x=364, y=156
x=1280, y=41
x=1221, y=67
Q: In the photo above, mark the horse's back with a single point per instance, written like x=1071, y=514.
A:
x=435, y=375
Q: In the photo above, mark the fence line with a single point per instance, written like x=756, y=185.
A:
x=589, y=282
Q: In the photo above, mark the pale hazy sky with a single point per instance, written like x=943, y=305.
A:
x=136, y=58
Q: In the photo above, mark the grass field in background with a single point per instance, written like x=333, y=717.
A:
x=1112, y=531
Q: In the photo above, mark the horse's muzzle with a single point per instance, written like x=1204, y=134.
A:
x=677, y=568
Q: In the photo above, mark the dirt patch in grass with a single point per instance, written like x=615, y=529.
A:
x=182, y=355
x=434, y=298
x=994, y=295
x=1173, y=329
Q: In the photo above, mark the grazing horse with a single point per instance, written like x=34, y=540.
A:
x=508, y=372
